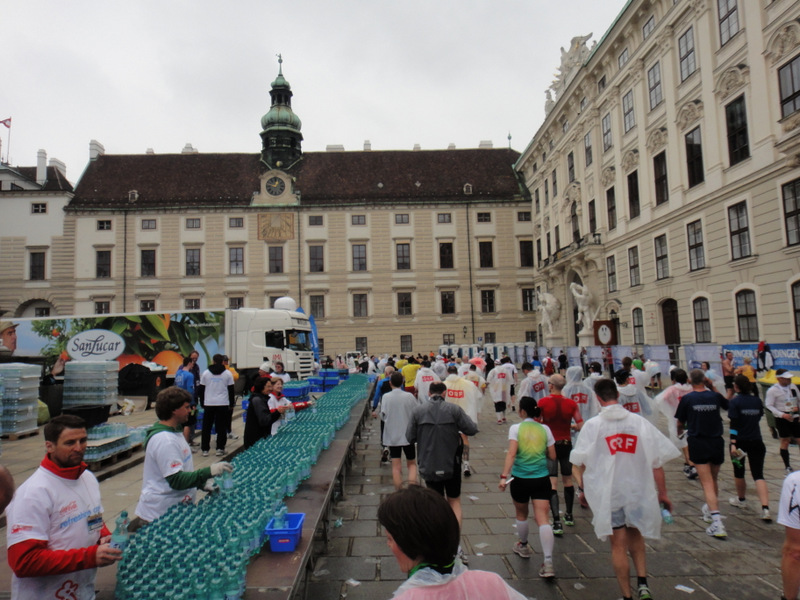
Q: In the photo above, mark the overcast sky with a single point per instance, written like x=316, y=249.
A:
x=161, y=73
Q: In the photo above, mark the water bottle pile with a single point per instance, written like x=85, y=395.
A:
x=211, y=542
x=20, y=397
x=90, y=383
x=122, y=436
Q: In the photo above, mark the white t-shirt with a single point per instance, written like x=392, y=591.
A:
x=273, y=403
x=789, y=508
x=425, y=377
x=216, y=393
x=167, y=453
x=284, y=376
x=57, y=510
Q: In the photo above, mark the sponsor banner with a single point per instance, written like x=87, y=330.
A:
x=696, y=354
x=618, y=353
x=658, y=354
x=784, y=356
x=574, y=356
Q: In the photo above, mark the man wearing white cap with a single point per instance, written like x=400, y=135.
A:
x=8, y=335
x=783, y=400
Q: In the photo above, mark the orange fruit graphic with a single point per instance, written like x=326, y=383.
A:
x=170, y=359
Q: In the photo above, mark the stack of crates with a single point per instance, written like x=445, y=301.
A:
x=20, y=399
x=296, y=391
x=90, y=383
x=330, y=378
x=317, y=384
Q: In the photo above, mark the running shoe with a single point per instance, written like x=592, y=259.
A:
x=232, y=436
x=692, y=473
x=788, y=471
x=547, y=571
x=568, y=520
x=706, y=514
x=220, y=452
x=687, y=470
x=644, y=592
x=558, y=529
x=205, y=452
x=504, y=419
x=499, y=421
x=524, y=550
x=467, y=470
x=765, y=516
x=717, y=530
x=385, y=456
x=734, y=501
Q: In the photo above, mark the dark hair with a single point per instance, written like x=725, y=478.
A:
x=259, y=383
x=423, y=525
x=217, y=359
x=397, y=380
x=452, y=369
x=187, y=360
x=526, y=366
x=627, y=362
x=696, y=376
x=679, y=376
x=595, y=367
x=530, y=407
x=53, y=429
x=426, y=363
x=169, y=400
x=505, y=360
x=606, y=390
x=621, y=376
x=706, y=365
x=437, y=388
x=743, y=383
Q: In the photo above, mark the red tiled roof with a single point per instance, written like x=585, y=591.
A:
x=321, y=178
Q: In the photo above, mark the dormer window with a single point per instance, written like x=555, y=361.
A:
x=467, y=189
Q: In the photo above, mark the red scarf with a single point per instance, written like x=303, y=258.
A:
x=64, y=472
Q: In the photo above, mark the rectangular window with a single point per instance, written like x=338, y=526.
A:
x=736, y=120
x=448, y=303
x=361, y=345
x=694, y=236
x=528, y=300
x=606, y=127
x=275, y=259
x=611, y=273
x=148, y=224
x=236, y=261
x=359, y=257
x=654, y=91
x=235, y=222
x=401, y=219
x=660, y=176
x=648, y=27
x=39, y=208
x=103, y=266
x=637, y=317
x=557, y=238
x=702, y=321
x=546, y=192
x=406, y=344
x=538, y=249
x=526, y=253
x=622, y=58
x=316, y=260
x=448, y=338
x=587, y=148
x=37, y=271
x=317, y=306
x=601, y=84
x=728, y=20
x=633, y=265
x=315, y=220
x=740, y=230
x=444, y=218
x=686, y=55
x=484, y=217
x=147, y=306
x=592, y=217
x=102, y=308
x=628, y=116
x=487, y=301
x=192, y=304
x=524, y=216
x=403, y=257
x=358, y=219
x=360, y=305
x=148, y=263
x=193, y=262
x=192, y=223
x=235, y=302
x=486, y=255
x=570, y=167
x=490, y=337
x=555, y=184
x=530, y=336
x=634, y=208
x=445, y=255
x=41, y=312
x=536, y=205
x=694, y=157
x=662, y=257
x=549, y=246
x=791, y=212
x=789, y=80
x=747, y=316
x=103, y=225
x=404, y=304
x=611, y=206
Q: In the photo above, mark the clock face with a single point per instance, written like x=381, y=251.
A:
x=604, y=334
x=275, y=186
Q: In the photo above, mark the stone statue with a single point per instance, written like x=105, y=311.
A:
x=549, y=309
x=583, y=300
x=571, y=61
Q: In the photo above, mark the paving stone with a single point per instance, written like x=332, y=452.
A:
x=371, y=590
x=370, y=546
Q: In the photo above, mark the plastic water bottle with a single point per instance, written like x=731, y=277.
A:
x=227, y=481
x=120, y=537
x=738, y=459
x=666, y=515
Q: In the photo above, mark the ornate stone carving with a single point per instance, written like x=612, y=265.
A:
x=690, y=113
x=791, y=123
x=637, y=71
x=665, y=39
x=571, y=62
x=547, y=222
x=608, y=177
x=572, y=193
x=630, y=160
x=732, y=80
x=698, y=6
x=656, y=140
x=783, y=41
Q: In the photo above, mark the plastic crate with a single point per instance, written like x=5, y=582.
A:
x=285, y=539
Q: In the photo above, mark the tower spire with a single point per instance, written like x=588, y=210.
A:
x=280, y=136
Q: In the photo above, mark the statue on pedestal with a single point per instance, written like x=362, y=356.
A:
x=583, y=299
x=550, y=310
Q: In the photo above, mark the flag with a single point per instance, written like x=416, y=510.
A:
x=6, y=122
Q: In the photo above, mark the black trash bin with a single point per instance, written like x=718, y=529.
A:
x=136, y=380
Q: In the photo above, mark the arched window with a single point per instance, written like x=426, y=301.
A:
x=702, y=321
x=637, y=316
x=576, y=226
x=747, y=316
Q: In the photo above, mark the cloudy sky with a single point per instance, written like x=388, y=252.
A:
x=161, y=73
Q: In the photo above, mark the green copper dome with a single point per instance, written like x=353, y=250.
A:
x=281, y=139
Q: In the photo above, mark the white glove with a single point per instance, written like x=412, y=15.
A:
x=219, y=468
x=211, y=486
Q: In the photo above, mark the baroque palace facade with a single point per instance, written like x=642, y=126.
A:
x=666, y=177
x=389, y=250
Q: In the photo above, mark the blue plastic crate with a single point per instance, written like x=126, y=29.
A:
x=285, y=539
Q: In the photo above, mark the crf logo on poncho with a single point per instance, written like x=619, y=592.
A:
x=455, y=393
x=580, y=398
x=538, y=386
x=427, y=378
x=67, y=591
x=501, y=375
x=622, y=442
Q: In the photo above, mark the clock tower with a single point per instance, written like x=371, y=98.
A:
x=280, y=136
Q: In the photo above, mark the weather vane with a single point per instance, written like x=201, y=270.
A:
x=280, y=63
